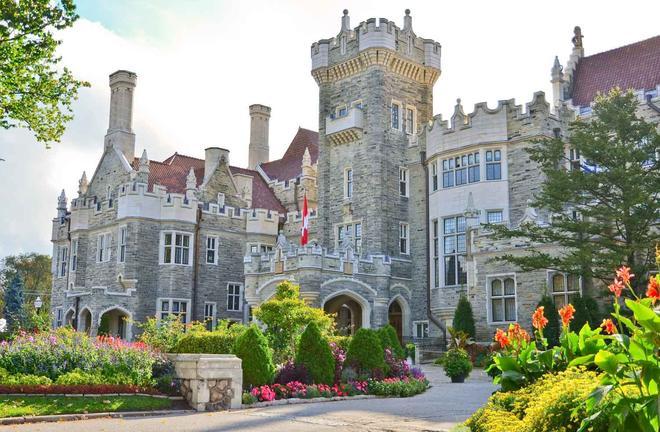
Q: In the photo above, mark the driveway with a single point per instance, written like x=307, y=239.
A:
x=438, y=409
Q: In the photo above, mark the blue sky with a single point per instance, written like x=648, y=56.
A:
x=201, y=63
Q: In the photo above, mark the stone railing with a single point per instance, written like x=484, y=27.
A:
x=209, y=382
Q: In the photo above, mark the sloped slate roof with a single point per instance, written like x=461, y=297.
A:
x=635, y=66
x=289, y=166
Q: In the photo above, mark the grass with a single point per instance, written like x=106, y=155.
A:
x=19, y=406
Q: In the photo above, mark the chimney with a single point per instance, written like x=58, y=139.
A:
x=212, y=158
x=258, y=150
x=120, y=128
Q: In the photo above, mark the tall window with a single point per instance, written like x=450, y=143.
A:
x=410, y=121
x=211, y=250
x=493, y=165
x=174, y=307
x=234, y=303
x=59, y=318
x=494, y=216
x=564, y=288
x=502, y=292
x=436, y=250
x=176, y=248
x=461, y=170
x=454, y=250
x=62, y=259
x=103, y=242
x=123, y=232
x=348, y=183
x=574, y=158
x=355, y=230
x=421, y=329
x=395, y=116
x=403, y=182
x=74, y=254
x=404, y=241
x=434, y=175
x=209, y=315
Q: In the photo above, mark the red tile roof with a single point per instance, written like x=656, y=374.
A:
x=172, y=173
x=289, y=166
x=635, y=66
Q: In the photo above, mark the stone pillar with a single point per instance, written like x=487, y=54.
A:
x=210, y=382
x=258, y=150
x=120, y=128
x=381, y=317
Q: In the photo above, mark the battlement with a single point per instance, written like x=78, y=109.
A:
x=375, y=34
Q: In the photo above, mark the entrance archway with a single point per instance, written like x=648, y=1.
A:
x=114, y=322
x=69, y=317
x=85, y=321
x=395, y=318
x=351, y=311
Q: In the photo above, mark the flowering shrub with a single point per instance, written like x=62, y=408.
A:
x=296, y=389
x=396, y=367
x=339, y=354
x=292, y=371
x=398, y=387
x=457, y=363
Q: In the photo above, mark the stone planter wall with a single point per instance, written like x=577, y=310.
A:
x=209, y=382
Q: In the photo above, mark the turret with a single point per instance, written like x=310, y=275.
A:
x=83, y=184
x=143, y=168
x=120, y=127
x=61, y=205
x=258, y=150
x=557, y=81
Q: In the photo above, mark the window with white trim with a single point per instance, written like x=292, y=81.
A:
x=121, y=244
x=494, y=216
x=62, y=259
x=260, y=248
x=395, y=115
x=574, y=159
x=171, y=306
x=410, y=121
x=403, y=181
x=74, y=254
x=209, y=315
x=234, y=297
x=454, y=250
x=103, y=243
x=502, y=293
x=404, y=238
x=564, y=287
x=211, y=250
x=493, y=165
x=436, y=259
x=434, y=176
x=460, y=170
x=176, y=248
x=59, y=317
x=354, y=229
x=421, y=329
x=348, y=183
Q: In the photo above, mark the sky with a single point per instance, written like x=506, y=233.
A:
x=201, y=63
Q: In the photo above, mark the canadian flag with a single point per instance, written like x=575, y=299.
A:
x=304, y=232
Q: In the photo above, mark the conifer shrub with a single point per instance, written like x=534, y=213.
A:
x=552, y=330
x=389, y=339
x=365, y=352
x=463, y=317
x=252, y=348
x=586, y=311
x=315, y=354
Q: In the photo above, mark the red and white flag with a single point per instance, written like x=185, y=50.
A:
x=304, y=232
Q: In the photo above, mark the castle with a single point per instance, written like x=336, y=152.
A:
x=397, y=197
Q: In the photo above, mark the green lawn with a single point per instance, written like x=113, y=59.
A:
x=18, y=406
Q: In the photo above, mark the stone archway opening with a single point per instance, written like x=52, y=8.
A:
x=348, y=313
x=69, y=317
x=114, y=323
x=85, y=322
x=395, y=318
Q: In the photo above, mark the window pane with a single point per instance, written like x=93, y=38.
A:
x=498, y=155
x=496, y=309
x=178, y=239
x=510, y=309
x=185, y=256
x=509, y=287
x=489, y=156
x=460, y=224
x=450, y=225
x=168, y=239
x=186, y=240
x=460, y=241
x=559, y=300
x=450, y=244
x=450, y=270
x=558, y=283
x=573, y=282
x=494, y=216
x=175, y=306
x=165, y=306
x=496, y=287
x=462, y=270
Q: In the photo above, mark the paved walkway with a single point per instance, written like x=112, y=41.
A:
x=438, y=409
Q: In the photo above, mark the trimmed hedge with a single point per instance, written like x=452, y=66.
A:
x=252, y=348
x=206, y=343
x=365, y=351
x=463, y=317
x=315, y=355
x=389, y=339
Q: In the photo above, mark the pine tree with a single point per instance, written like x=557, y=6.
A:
x=463, y=317
x=315, y=354
x=257, y=360
x=605, y=213
x=586, y=311
x=389, y=339
x=14, y=311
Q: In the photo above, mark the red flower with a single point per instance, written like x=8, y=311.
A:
x=653, y=291
x=609, y=326
x=624, y=274
x=539, y=321
x=616, y=287
x=566, y=314
x=502, y=338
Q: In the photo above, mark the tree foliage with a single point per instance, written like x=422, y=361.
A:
x=315, y=354
x=35, y=91
x=286, y=316
x=14, y=310
x=389, y=339
x=552, y=329
x=365, y=352
x=586, y=312
x=257, y=361
x=463, y=317
x=35, y=271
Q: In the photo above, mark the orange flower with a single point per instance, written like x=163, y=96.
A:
x=624, y=274
x=616, y=287
x=609, y=326
x=502, y=338
x=566, y=314
x=653, y=291
x=539, y=321
x=518, y=334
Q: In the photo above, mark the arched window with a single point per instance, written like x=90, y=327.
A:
x=502, y=293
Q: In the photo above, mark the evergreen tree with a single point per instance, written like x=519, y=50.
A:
x=389, y=339
x=365, y=352
x=315, y=354
x=586, y=311
x=14, y=311
x=552, y=330
x=463, y=317
x=257, y=361
x=604, y=212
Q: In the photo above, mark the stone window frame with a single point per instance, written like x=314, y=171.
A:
x=59, y=317
x=261, y=248
x=455, y=234
x=398, y=126
x=502, y=277
x=424, y=327
x=339, y=109
x=357, y=104
x=495, y=160
x=103, y=247
x=434, y=175
x=240, y=297
x=170, y=310
x=413, y=120
x=161, y=248
x=73, y=265
x=435, y=255
x=122, y=243
x=464, y=163
x=356, y=227
x=61, y=262
x=404, y=236
x=404, y=181
x=495, y=211
x=349, y=183
x=210, y=325
x=215, y=250
x=565, y=292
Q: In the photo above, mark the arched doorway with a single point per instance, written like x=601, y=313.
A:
x=349, y=310
x=114, y=322
x=395, y=318
x=85, y=321
x=69, y=317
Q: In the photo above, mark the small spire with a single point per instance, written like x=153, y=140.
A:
x=61, y=200
x=557, y=69
x=144, y=162
x=306, y=159
x=345, y=21
x=407, y=21
x=191, y=180
x=83, y=184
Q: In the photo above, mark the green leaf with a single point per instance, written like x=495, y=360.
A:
x=582, y=360
x=644, y=315
x=606, y=361
x=507, y=363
